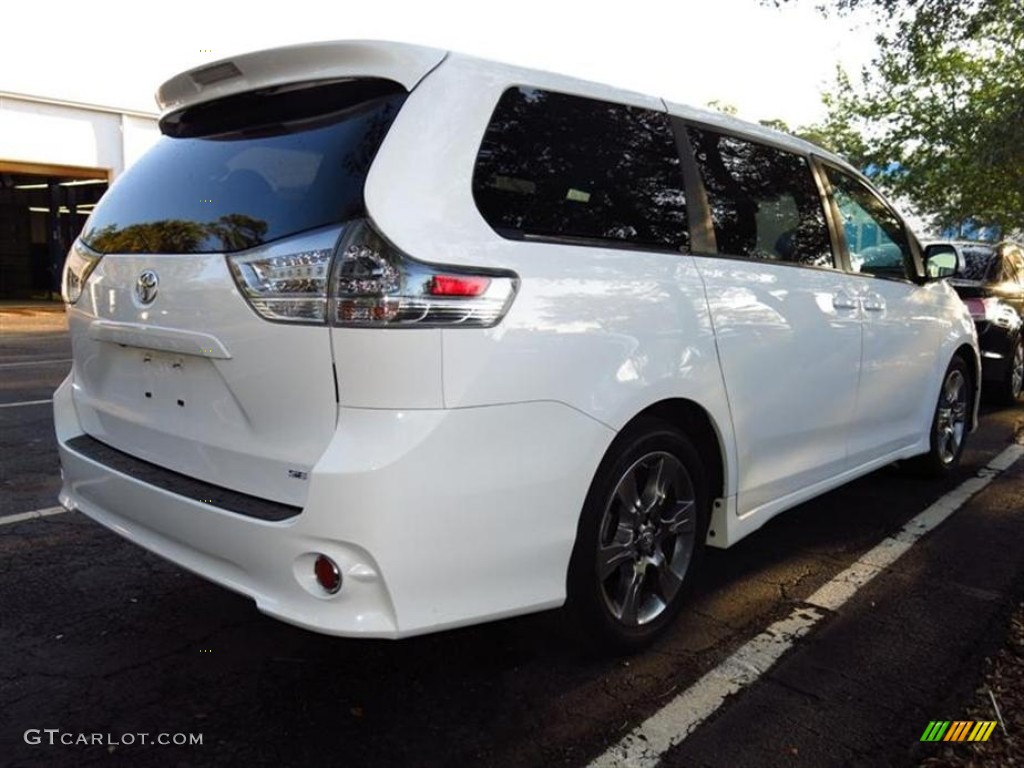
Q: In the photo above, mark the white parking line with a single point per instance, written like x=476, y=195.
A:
x=644, y=746
x=26, y=363
x=22, y=516
x=26, y=402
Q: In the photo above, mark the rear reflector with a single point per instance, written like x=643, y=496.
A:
x=327, y=574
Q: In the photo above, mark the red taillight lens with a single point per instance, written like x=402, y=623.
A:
x=450, y=285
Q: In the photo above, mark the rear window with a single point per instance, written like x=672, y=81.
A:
x=253, y=169
x=980, y=263
x=553, y=165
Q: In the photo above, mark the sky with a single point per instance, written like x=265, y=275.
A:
x=769, y=63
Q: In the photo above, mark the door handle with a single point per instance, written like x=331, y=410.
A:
x=873, y=302
x=843, y=300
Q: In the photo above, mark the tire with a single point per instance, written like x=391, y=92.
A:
x=640, y=539
x=1008, y=390
x=949, y=422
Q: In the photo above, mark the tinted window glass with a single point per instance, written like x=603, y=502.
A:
x=555, y=165
x=235, y=190
x=874, y=233
x=764, y=202
x=981, y=262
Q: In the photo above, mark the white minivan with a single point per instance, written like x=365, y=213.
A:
x=393, y=340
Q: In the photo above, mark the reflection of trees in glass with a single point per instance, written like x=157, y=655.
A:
x=981, y=263
x=233, y=232
x=561, y=165
x=764, y=202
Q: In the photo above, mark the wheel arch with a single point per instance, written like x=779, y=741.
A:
x=697, y=424
x=970, y=356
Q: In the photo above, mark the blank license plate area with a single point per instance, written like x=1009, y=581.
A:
x=162, y=385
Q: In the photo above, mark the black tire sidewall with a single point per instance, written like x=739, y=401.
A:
x=585, y=605
x=932, y=461
x=1006, y=393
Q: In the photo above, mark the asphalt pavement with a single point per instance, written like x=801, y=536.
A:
x=101, y=639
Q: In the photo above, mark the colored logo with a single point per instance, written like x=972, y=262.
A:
x=958, y=730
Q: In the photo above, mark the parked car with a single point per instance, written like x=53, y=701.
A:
x=990, y=280
x=393, y=340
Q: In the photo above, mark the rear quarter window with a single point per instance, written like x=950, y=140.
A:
x=555, y=165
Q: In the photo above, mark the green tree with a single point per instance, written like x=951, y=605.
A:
x=938, y=116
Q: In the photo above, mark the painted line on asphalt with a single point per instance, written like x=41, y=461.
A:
x=26, y=402
x=35, y=513
x=26, y=363
x=644, y=746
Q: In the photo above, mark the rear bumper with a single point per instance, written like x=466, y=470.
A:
x=437, y=518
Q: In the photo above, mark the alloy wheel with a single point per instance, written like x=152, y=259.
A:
x=646, y=538
x=951, y=418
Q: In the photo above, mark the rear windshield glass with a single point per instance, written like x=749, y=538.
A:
x=980, y=262
x=245, y=186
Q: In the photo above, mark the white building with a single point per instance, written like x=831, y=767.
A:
x=56, y=160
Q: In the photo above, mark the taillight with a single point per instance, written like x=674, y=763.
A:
x=79, y=264
x=287, y=281
x=991, y=309
x=375, y=285
x=362, y=281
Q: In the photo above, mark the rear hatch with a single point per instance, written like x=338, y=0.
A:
x=200, y=336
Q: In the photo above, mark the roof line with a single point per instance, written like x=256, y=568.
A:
x=77, y=105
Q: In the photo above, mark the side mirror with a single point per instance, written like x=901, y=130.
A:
x=942, y=260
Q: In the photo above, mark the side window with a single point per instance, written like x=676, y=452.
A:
x=557, y=165
x=874, y=233
x=764, y=201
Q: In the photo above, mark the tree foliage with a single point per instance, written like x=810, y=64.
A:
x=938, y=116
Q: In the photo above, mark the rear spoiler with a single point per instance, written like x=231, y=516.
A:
x=404, y=64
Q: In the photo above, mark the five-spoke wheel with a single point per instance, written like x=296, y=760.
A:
x=640, y=536
x=951, y=421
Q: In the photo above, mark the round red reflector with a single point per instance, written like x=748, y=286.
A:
x=327, y=574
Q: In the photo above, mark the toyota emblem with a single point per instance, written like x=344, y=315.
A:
x=146, y=287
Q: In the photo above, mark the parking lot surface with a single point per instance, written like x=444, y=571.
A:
x=98, y=637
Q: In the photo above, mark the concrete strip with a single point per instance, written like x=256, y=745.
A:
x=35, y=513
x=27, y=363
